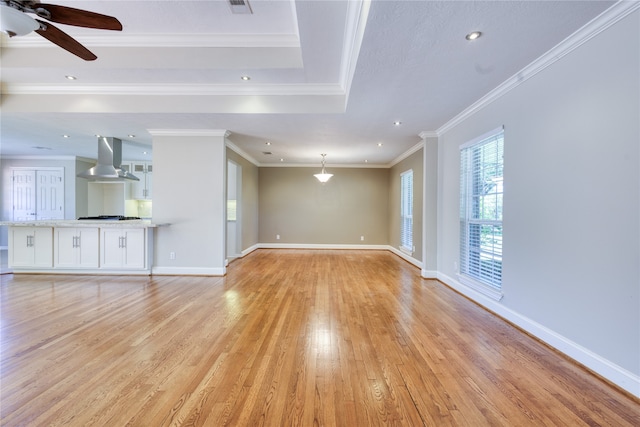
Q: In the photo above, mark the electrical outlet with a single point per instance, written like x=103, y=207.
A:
x=362, y=238
x=172, y=255
x=277, y=237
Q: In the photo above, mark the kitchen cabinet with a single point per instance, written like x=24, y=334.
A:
x=76, y=247
x=81, y=246
x=123, y=248
x=142, y=189
x=31, y=247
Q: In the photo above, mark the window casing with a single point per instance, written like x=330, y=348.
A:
x=481, y=201
x=406, y=211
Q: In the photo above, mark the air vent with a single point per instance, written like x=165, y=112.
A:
x=240, y=6
x=267, y=153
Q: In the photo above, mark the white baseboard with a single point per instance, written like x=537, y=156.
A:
x=188, y=271
x=249, y=250
x=318, y=246
x=429, y=274
x=405, y=256
x=612, y=372
x=396, y=251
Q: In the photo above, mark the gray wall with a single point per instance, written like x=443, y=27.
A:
x=572, y=195
x=413, y=162
x=354, y=203
x=189, y=181
x=249, y=199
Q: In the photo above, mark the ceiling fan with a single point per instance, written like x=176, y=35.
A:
x=14, y=21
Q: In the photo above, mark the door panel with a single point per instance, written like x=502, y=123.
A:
x=24, y=195
x=50, y=195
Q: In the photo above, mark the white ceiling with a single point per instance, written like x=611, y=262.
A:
x=327, y=76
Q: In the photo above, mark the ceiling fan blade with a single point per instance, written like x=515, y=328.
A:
x=77, y=17
x=64, y=40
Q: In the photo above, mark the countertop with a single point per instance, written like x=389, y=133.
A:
x=136, y=223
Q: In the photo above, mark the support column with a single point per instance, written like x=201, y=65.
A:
x=189, y=181
x=430, y=205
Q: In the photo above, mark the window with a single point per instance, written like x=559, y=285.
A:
x=481, y=190
x=406, y=211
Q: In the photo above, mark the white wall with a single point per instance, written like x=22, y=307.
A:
x=571, y=203
x=189, y=193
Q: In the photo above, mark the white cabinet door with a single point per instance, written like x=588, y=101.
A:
x=76, y=247
x=30, y=247
x=123, y=248
x=141, y=190
x=134, y=248
x=65, y=247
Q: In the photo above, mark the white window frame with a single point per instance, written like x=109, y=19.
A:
x=481, y=208
x=406, y=211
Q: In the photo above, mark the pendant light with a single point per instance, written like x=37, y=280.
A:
x=323, y=176
x=15, y=23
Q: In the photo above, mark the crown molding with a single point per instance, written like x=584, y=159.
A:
x=165, y=40
x=357, y=15
x=318, y=165
x=176, y=89
x=35, y=157
x=239, y=151
x=428, y=134
x=600, y=23
x=189, y=132
x=406, y=154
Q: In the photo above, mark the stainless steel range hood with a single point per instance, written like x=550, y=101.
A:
x=109, y=163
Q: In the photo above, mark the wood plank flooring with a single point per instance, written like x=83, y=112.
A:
x=287, y=338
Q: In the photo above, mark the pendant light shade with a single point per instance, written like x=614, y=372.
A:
x=323, y=176
x=15, y=23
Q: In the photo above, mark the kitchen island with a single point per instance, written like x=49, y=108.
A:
x=81, y=246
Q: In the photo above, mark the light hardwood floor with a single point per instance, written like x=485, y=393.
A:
x=287, y=338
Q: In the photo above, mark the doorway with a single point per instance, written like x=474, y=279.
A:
x=234, y=211
x=38, y=194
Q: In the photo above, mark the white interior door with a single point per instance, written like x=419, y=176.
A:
x=50, y=194
x=24, y=195
x=38, y=194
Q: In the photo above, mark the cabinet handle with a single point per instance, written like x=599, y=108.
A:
x=29, y=241
x=124, y=241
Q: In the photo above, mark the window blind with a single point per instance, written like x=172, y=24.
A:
x=406, y=210
x=481, y=200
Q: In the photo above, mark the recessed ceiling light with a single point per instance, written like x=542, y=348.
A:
x=397, y=123
x=379, y=144
x=245, y=78
x=98, y=136
x=282, y=160
x=144, y=152
x=131, y=135
x=268, y=143
x=473, y=36
x=70, y=77
x=366, y=161
x=65, y=136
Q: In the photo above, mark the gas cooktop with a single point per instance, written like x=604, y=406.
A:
x=109, y=218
